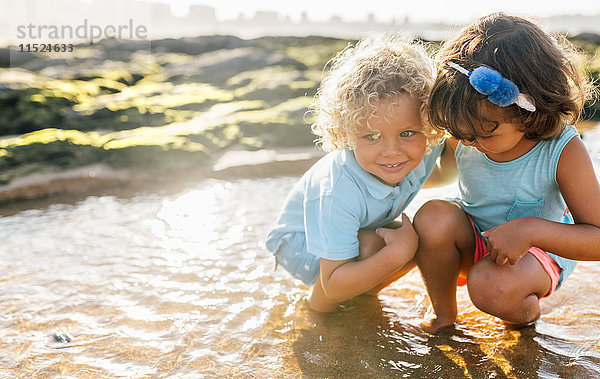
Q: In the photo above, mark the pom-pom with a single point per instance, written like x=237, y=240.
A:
x=506, y=93
x=485, y=80
x=499, y=90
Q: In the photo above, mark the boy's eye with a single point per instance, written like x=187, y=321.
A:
x=407, y=133
x=372, y=137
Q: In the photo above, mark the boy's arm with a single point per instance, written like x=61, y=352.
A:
x=444, y=171
x=581, y=191
x=346, y=279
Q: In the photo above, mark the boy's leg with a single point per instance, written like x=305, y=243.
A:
x=510, y=292
x=392, y=278
x=318, y=301
x=446, y=248
x=369, y=244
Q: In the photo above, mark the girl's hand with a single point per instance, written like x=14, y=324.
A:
x=509, y=242
x=404, y=237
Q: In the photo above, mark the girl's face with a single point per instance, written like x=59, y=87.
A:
x=395, y=144
x=500, y=140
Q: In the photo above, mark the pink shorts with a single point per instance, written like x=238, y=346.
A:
x=547, y=262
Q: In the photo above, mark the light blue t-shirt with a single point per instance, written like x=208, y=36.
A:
x=337, y=197
x=493, y=193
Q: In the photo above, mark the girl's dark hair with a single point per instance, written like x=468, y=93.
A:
x=548, y=72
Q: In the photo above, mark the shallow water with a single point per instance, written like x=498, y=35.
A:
x=178, y=284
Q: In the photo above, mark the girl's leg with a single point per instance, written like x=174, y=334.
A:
x=510, y=292
x=446, y=248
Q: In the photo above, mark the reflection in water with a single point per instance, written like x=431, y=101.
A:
x=177, y=284
x=364, y=338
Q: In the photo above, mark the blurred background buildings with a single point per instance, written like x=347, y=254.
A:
x=180, y=18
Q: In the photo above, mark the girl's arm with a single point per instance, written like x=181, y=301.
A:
x=580, y=241
x=445, y=170
x=343, y=280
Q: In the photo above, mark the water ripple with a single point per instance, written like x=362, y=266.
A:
x=181, y=285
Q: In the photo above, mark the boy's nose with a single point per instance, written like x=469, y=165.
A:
x=391, y=147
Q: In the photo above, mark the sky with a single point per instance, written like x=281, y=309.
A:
x=384, y=10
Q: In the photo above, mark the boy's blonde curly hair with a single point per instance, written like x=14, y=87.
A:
x=376, y=68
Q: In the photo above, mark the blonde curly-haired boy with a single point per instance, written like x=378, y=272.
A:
x=337, y=228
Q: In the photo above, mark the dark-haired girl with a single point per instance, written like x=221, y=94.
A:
x=529, y=203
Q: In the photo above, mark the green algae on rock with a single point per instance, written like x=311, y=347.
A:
x=168, y=105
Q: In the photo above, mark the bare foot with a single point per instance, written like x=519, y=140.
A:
x=436, y=324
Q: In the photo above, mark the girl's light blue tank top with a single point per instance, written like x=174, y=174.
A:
x=496, y=192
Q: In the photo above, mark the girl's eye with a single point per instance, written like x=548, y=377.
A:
x=407, y=133
x=372, y=137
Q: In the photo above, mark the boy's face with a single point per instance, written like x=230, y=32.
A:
x=395, y=144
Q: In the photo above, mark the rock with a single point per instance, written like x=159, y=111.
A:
x=589, y=37
x=62, y=336
x=264, y=163
x=216, y=67
x=36, y=65
x=11, y=57
x=197, y=45
x=121, y=49
x=75, y=181
x=22, y=114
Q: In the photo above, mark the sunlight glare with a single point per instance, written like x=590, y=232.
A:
x=192, y=223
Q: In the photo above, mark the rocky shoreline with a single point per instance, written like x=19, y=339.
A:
x=144, y=112
x=122, y=114
x=101, y=178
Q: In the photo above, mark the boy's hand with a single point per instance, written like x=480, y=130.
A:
x=508, y=243
x=404, y=237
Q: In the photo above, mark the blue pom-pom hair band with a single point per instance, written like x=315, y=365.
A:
x=498, y=90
